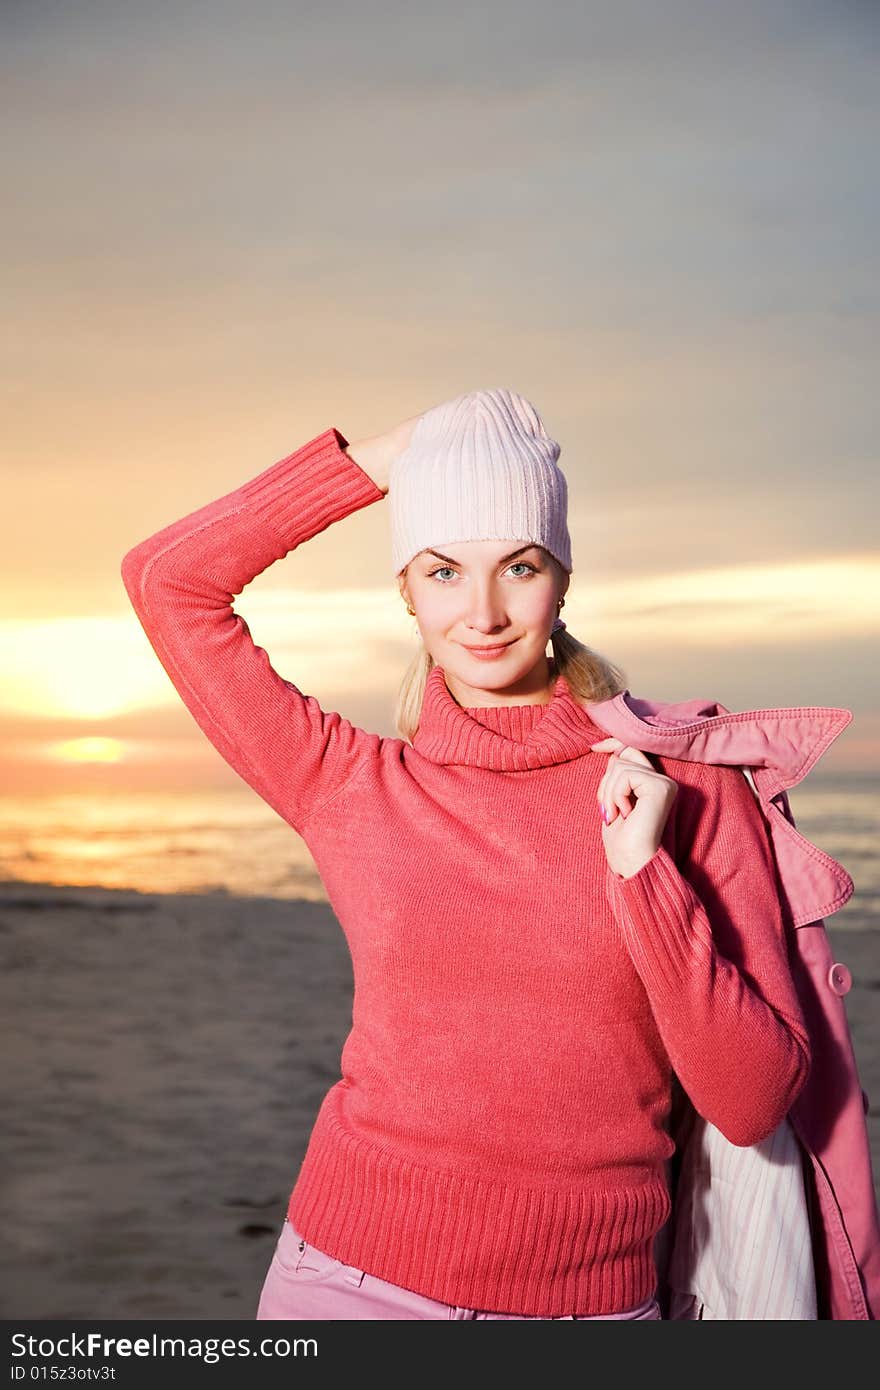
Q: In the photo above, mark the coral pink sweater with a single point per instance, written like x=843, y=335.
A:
x=497, y=1138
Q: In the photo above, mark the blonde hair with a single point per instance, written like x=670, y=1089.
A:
x=590, y=676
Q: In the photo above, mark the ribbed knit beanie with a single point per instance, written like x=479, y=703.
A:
x=478, y=467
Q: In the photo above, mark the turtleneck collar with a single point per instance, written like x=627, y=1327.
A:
x=504, y=738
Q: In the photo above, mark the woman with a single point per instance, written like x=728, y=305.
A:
x=530, y=976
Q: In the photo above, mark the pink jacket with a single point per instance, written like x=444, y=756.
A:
x=776, y=748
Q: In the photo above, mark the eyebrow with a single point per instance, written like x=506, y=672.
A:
x=504, y=558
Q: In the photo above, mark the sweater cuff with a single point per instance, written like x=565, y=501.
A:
x=308, y=490
x=664, y=923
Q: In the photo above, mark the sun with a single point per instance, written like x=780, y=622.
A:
x=88, y=750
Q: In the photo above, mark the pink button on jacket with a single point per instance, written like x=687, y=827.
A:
x=814, y=1183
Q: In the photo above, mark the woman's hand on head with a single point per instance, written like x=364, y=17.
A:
x=401, y=434
x=376, y=454
x=638, y=800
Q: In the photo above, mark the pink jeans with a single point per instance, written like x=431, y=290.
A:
x=304, y=1282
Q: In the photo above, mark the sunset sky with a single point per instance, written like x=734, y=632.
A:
x=229, y=227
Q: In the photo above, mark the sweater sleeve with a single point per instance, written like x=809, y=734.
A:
x=181, y=582
x=703, y=925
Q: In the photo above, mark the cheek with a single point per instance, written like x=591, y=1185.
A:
x=535, y=608
x=437, y=609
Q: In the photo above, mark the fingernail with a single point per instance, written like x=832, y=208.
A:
x=605, y=814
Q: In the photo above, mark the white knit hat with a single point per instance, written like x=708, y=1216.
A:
x=479, y=467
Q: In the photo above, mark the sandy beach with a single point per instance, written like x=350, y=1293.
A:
x=166, y=1057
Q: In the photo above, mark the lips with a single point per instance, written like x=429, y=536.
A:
x=496, y=647
x=488, y=653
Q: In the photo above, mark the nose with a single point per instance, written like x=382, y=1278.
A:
x=486, y=614
x=487, y=619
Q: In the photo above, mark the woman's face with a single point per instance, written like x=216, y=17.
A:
x=475, y=595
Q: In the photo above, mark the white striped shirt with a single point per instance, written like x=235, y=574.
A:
x=741, y=1242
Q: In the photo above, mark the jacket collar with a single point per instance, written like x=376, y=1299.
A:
x=784, y=743
x=777, y=747
x=503, y=738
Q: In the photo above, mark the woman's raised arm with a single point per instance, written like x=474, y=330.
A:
x=181, y=582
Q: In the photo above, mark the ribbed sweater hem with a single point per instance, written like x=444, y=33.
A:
x=471, y=1242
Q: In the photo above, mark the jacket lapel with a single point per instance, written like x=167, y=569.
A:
x=778, y=747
